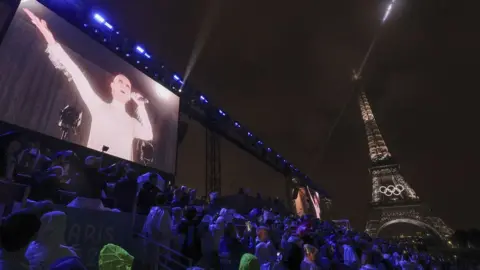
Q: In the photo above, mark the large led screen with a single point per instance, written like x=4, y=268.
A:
x=47, y=64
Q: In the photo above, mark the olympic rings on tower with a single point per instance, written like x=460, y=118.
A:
x=391, y=190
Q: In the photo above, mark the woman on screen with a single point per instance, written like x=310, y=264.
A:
x=111, y=125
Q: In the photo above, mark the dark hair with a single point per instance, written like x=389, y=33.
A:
x=18, y=229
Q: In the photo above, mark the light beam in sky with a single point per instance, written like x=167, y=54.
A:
x=387, y=12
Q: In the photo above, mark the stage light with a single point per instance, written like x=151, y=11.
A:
x=98, y=18
x=85, y=25
x=249, y=134
x=203, y=99
x=269, y=149
x=278, y=156
x=109, y=26
x=117, y=48
x=236, y=124
x=147, y=55
x=104, y=40
x=118, y=33
x=140, y=49
x=96, y=31
x=127, y=55
x=138, y=62
x=221, y=112
x=180, y=90
x=260, y=142
x=176, y=78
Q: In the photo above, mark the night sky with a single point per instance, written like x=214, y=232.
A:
x=283, y=69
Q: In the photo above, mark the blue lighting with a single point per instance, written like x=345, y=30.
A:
x=236, y=124
x=98, y=18
x=269, y=149
x=85, y=25
x=278, y=156
x=140, y=49
x=127, y=54
x=203, y=99
x=109, y=26
x=291, y=166
x=176, y=78
x=147, y=55
x=249, y=134
x=221, y=112
x=260, y=142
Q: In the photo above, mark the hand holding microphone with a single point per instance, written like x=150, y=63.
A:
x=139, y=99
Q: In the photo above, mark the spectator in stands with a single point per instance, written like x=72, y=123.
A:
x=177, y=198
x=308, y=262
x=188, y=227
x=230, y=245
x=293, y=253
x=368, y=260
x=206, y=237
x=48, y=250
x=90, y=187
x=16, y=232
x=157, y=228
x=264, y=250
x=249, y=262
x=125, y=191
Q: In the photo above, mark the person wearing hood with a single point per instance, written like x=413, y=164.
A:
x=249, y=262
x=309, y=259
x=16, y=232
x=230, y=246
x=264, y=250
x=293, y=253
x=177, y=238
x=49, y=250
x=188, y=228
x=349, y=255
x=157, y=228
x=206, y=237
x=217, y=231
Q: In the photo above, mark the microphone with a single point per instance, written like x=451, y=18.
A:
x=141, y=98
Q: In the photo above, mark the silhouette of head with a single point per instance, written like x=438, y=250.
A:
x=121, y=88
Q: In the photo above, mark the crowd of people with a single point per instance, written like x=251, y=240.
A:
x=209, y=236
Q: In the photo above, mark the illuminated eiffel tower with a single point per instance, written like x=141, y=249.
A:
x=393, y=199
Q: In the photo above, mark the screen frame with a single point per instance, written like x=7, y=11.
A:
x=15, y=4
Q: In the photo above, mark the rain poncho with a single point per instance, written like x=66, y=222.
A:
x=154, y=178
x=113, y=257
x=217, y=230
x=249, y=262
x=49, y=246
x=158, y=228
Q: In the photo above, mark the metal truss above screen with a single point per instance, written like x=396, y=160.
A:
x=193, y=103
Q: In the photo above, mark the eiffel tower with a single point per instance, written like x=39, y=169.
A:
x=393, y=199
